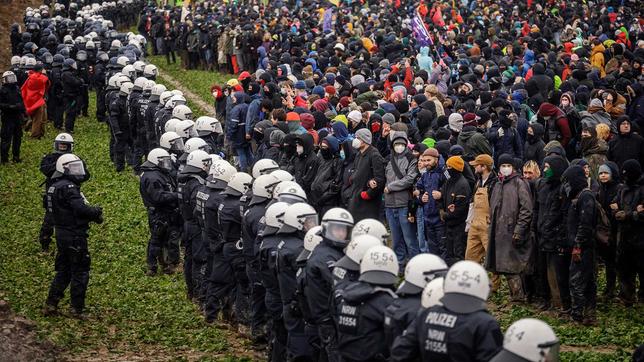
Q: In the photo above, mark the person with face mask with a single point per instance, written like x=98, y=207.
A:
x=628, y=210
x=553, y=255
x=400, y=173
x=368, y=179
x=72, y=215
x=158, y=192
x=580, y=231
x=533, y=146
x=430, y=182
x=510, y=245
x=288, y=153
x=593, y=150
x=609, y=188
x=505, y=138
x=454, y=198
x=327, y=183
x=627, y=145
x=306, y=162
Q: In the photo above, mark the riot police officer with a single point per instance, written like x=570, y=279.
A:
x=298, y=219
x=55, y=106
x=190, y=179
x=459, y=330
x=132, y=104
x=72, y=215
x=336, y=229
x=150, y=109
x=63, y=143
x=361, y=311
x=100, y=82
x=158, y=191
x=235, y=287
x=12, y=109
x=529, y=340
x=420, y=270
x=72, y=86
x=209, y=129
x=120, y=125
x=84, y=76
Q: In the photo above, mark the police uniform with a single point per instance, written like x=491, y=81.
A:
x=272, y=299
x=150, y=130
x=132, y=113
x=399, y=314
x=72, y=85
x=120, y=126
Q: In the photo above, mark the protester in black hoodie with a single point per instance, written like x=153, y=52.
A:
x=533, y=148
x=626, y=145
x=306, y=162
x=609, y=188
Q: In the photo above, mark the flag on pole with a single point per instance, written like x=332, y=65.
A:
x=420, y=31
x=327, y=23
x=335, y=2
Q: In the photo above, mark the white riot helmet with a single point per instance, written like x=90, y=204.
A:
x=185, y=128
x=263, y=187
x=239, y=184
x=274, y=217
x=175, y=100
x=64, y=143
x=15, y=60
x=120, y=80
x=182, y=112
x=157, y=90
x=336, y=226
x=129, y=71
x=379, y=266
x=205, y=126
x=466, y=287
x=198, y=160
x=164, y=97
x=196, y=143
x=354, y=252
x=299, y=217
x=90, y=45
x=371, y=227
x=9, y=77
x=116, y=44
x=147, y=87
x=70, y=165
x=126, y=88
x=177, y=92
x=530, y=340
x=171, y=124
x=150, y=71
x=432, y=293
x=222, y=170
x=291, y=192
x=311, y=240
x=264, y=166
x=283, y=175
x=139, y=83
x=138, y=66
x=160, y=158
x=420, y=270
x=171, y=141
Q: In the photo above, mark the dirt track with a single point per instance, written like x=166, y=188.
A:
x=11, y=12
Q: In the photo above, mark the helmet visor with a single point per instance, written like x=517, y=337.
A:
x=310, y=221
x=165, y=163
x=63, y=147
x=290, y=198
x=75, y=168
x=336, y=231
x=176, y=144
x=550, y=351
x=9, y=79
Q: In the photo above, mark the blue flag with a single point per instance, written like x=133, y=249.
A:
x=420, y=31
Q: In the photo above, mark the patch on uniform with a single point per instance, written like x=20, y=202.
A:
x=436, y=325
x=203, y=196
x=298, y=272
x=279, y=246
x=339, y=272
x=348, y=317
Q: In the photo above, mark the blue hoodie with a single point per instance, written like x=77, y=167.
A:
x=432, y=180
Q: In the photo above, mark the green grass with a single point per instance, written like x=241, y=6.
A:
x=129, y=312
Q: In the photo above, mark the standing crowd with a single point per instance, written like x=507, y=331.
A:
x=504, y=144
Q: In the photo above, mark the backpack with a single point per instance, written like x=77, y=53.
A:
x=602, y=222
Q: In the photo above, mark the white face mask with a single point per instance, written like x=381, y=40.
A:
x=299, y=149
x=422, y=170
x=505, y=170
x=419, y=87
x=399, y=148
x=356, y=143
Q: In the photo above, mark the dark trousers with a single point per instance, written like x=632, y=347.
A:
x=455, y=243
x=434, y=235
x=84, y=100
x=46, y=230
x=583, y=284
x=10, y=138
x=630, y=266
x=101, y=107
x=608, y=253
x=57, y=111
x=257, y=296
x=228, y=283
x=190, y=233
x=71, y=112
x=560, y=263
x=72, y=267
x=122, y=146
x=199, y=266
x=162, y=233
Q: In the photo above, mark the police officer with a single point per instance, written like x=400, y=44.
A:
x=12, y=110
x=235, y=285
x=120, y=125
x=100, y=83
x=209, y=197
x=72, y=86
x=150, y=110
x=420, y=270
x=190, y=179
x=158, y=191
x=55, y=106
x=251, y=223
x=529, y=340
x=298, y=219
x=160, y=114
x=336, y=229
x=209, y=129
x=361, y=311
x=112, y=94
x=459, y=330
x=83, y=74
x=72, y=215
x=141, y=108
x=268, y=262
x=63, y=143
x=132, y=104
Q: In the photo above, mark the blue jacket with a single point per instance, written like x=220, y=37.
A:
x=432, y=180
x=235, y=127
x=253, y=113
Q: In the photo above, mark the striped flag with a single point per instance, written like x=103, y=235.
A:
x=420, y=31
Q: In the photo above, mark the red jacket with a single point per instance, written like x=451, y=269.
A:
x=33, y=91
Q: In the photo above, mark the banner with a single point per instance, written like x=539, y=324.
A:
x=420, y=31
x=327, y=23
